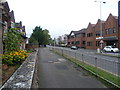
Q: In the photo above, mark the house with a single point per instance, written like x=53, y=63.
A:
x=12, y=19
x=76, y=38
x=21, y=29
x=4, y=22
x=62, y=40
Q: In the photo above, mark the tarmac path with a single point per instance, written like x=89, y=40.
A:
x=57, y=72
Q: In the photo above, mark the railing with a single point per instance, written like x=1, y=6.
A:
x=108, y=70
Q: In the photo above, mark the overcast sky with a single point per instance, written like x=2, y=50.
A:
x=60, y=16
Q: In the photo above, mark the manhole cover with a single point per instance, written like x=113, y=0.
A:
x=57, y=62
x=50, y=61
x=61, y=59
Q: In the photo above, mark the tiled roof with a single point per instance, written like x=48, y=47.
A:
x=77, y=32
x=6, y=6
x=12, y=16
x=92, y=25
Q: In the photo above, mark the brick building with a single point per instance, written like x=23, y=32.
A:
x=97, y=33
x=21, y=29
x=7, y=20
x=77, y=38
x=4, y=22
x=89, y=38
x=111, y=31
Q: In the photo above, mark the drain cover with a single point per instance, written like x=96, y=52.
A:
x=50, y=61
x=61, y=59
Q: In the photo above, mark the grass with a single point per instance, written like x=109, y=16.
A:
x=112, y=79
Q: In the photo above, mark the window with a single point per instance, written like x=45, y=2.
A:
x=83, y=34
x=83, y=42
x=77, y=42
x=68, y=42
x=89, y=43
x=106, y=31
x=97, y=43
x=110, y=30
x=89, y=34
x=114, y=30
x=98, y=33
x=72, y=42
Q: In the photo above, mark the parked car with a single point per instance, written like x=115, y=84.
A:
x=110, y=49
x=74, y=47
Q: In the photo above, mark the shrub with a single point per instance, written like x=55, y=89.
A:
x=14, y=57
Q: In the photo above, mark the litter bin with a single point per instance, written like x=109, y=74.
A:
x=98, y=50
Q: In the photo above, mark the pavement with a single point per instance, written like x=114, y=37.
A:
x=57, y=72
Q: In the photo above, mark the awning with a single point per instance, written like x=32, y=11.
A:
x=111, y=38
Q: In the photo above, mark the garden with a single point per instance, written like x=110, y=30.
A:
x=12, y=56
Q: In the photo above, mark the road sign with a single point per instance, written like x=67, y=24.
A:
x=99, y=38
x=119, y=13
x=101, y=41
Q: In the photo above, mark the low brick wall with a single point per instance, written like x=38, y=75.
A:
x=23, y=76
x=29, y=46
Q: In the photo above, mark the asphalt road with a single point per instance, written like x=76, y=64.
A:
x=57, y=72
x=92, y=53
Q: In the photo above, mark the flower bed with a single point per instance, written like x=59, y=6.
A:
x=14, y=57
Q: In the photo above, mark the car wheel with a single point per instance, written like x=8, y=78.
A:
x=104, y=50
x=112, y=51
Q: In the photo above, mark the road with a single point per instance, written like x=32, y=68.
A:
x=92, y=53
x=57, y=72
x=109, y=64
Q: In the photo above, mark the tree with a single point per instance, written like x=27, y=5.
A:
x=39, y=36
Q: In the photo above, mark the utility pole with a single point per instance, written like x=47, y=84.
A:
x=101, y=35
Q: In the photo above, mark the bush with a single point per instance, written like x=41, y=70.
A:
x=14, y=57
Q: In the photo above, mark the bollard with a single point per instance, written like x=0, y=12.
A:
x=82, y=59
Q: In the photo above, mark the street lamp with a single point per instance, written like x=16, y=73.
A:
x=101, y=36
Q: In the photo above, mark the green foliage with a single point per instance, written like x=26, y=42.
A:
x=12, y=40
x=14, y=57
x=39, y=36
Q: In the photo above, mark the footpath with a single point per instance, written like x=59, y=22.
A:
x=58, y=72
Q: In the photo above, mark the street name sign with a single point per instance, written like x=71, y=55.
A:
x=99, y=38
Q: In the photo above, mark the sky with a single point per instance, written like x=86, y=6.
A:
x=60, y=16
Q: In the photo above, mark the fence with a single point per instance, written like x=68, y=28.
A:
x=108, y=70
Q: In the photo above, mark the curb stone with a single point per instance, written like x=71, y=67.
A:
x=23, y=76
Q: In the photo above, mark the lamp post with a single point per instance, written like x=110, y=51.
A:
x=101, y=36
